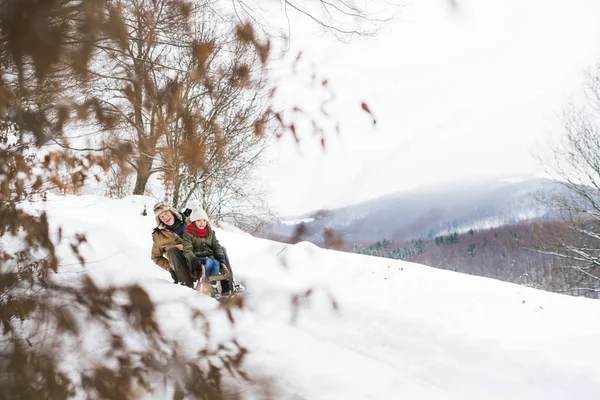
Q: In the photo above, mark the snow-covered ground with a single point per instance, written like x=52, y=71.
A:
x=399, y=331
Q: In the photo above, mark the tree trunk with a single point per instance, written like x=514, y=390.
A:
x=145, y=162
x=143, y=174
x=176, y=192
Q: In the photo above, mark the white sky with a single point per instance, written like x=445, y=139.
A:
x=456, y=95
x=403, y=330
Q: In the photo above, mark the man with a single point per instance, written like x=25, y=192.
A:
x=167, y=238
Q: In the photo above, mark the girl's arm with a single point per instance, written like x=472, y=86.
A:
x=216, y=247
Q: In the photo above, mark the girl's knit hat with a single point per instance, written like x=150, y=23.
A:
x=197, y=214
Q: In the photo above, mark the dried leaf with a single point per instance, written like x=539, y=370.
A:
x=365, y=107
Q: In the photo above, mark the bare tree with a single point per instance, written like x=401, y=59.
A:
x=343, y=19
x=576, y=166
x=146, y=73
x=238, y=110
x=139, y=93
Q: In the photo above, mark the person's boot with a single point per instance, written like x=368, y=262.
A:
x=225, y=287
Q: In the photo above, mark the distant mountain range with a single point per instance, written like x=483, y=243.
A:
x=426, y=213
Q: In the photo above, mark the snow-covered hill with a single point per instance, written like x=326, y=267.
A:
x=430, y=211
x=400, y=330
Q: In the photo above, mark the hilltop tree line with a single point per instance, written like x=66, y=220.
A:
x=512, y=253
x=560, y=255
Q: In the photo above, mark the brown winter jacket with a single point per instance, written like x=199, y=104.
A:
x=208, y=246
x=162, y=239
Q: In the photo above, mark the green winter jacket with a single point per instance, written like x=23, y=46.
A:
x=195, y=246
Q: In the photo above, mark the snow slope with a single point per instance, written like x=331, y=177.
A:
x=400, y=330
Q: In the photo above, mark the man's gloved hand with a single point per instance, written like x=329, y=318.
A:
x=174, y=275
x=223, y=267
x=196, y=268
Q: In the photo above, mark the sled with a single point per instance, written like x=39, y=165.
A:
x=204, y=285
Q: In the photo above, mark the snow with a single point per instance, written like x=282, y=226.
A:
x=298, y=221
x=372, y=328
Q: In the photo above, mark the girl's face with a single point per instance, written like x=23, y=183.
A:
x=200, y=223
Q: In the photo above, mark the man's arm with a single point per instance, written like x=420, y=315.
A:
x=188, y=247
x=158, y=256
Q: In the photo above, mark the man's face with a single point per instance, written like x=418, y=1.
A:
x=167, y=218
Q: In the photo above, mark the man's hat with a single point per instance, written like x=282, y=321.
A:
x=160, y=208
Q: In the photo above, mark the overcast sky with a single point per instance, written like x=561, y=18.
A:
x=456, y=95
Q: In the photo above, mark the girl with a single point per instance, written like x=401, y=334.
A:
x=200, y=246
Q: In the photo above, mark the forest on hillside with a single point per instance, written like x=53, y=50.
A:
x=516, y=253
